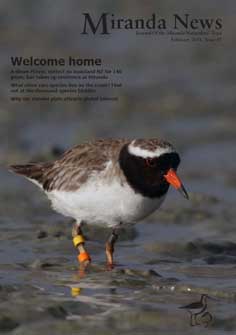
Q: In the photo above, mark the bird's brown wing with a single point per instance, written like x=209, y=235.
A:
x=77, y=164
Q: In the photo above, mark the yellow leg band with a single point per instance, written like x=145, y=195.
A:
x=78, y=239
x=75, y=291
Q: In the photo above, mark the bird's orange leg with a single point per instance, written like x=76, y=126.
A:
x=110, y=248
x=79, y=241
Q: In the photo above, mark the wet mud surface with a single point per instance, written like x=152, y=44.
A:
x=169, y=260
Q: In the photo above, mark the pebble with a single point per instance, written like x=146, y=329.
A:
x=57, y=312
x=42, y=234
x=58, y=234
x=7, y=323
x=38, y=264
x=145, y=273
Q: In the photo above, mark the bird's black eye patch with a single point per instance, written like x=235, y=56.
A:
x=168, y=160
x=145, y=175
x=150, y=162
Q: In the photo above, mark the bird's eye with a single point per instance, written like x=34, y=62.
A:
x=150, y=162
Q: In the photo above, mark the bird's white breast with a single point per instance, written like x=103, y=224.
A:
x=100, y=202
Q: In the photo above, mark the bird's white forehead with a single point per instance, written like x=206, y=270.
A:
x=144, y=153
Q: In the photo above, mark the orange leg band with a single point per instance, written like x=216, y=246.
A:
x=84, y=256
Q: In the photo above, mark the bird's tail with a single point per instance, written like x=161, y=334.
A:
x=32, y=171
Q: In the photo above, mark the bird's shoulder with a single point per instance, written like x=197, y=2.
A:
x=75, y=166
x=95, y=152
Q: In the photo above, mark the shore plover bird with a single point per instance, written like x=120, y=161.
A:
x=199, y=308
x=107, y=182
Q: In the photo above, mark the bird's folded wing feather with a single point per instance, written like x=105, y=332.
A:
x=78, y=163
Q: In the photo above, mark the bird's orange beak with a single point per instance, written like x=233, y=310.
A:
x=172, y=178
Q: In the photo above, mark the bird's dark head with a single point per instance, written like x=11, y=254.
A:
x=150, y=167
x=204, y=298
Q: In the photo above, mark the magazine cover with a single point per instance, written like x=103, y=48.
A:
x=117, y=128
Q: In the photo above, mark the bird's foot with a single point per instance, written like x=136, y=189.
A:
x=110, y=266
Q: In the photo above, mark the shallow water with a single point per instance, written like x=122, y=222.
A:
x=168, y=260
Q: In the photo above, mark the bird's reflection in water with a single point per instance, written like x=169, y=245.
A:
x=83, y=270
x=199, y=314
x=75, y=291
x=81, y=273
